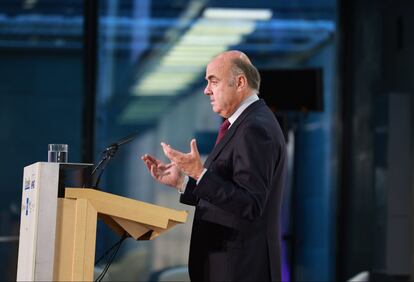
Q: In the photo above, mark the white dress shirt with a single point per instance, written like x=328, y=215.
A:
x=246, y=102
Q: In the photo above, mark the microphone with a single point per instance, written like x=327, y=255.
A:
x=107, y=155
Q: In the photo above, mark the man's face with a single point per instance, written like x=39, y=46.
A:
x=221, y=88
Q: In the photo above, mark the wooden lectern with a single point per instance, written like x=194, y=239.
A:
x=58, y=235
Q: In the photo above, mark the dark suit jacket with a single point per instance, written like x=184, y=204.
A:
x=236, y=233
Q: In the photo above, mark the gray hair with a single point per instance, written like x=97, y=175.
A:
x=243, y=67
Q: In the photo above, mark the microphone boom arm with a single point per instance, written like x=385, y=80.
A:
x=107, y=155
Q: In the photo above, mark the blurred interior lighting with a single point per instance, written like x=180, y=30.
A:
x=163, y=84
x=188, y=49
x=222, y=27
x=214, y=32
x=190, y=61
x=29, y=4
x=245, y=14
x=193, y=39
x=182, y=76
x=156, y=83
x=143, y=110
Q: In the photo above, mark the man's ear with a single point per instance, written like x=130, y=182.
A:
x=241, y=82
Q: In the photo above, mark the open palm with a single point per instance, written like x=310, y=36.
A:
x=167, y=174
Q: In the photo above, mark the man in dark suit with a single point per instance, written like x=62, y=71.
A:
x=238, y=190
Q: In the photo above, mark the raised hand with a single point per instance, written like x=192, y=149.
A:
x=189, y=163
x=168, y=174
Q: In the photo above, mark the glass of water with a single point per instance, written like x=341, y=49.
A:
x=57, y=153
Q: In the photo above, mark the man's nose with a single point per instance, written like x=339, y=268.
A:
x=207, y=91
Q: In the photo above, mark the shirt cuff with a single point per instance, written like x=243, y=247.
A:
x=201, y=176
x=181, y=189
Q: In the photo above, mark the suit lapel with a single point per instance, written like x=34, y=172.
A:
x=231, y=132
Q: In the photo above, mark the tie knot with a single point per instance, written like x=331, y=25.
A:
x=223, y=129
x=225, y=125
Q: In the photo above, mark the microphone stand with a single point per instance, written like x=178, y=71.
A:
x=107, y=155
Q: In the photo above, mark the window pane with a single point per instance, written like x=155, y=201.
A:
x=152, y=58
x=41, y=99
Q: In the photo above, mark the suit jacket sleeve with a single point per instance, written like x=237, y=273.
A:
x=254, y=160
x=188, y=197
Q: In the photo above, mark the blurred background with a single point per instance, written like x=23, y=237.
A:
x=339, y=76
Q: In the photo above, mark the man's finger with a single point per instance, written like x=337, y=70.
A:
x=165, y=173
x=153, y=172
x=169, y=165
x=152, y=159
x=172, y=154
x=147, y=160
x=193, y=146
x=147, y=163
x=161, y=166
x=167, y=153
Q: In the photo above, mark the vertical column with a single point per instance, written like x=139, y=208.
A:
x=398, y=216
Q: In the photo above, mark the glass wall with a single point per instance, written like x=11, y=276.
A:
x=151, y=60
x=41, y=99
x=152, y=56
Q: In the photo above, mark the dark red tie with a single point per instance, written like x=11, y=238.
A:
x=223, y=129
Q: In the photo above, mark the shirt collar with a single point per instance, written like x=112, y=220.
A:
x=246, y=102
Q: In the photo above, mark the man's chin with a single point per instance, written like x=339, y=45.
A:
x=217, y=111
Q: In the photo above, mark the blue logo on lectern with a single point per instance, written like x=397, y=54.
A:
x=26, y=184
x=27, y=206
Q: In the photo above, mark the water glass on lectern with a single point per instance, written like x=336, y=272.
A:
x=57, y=153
